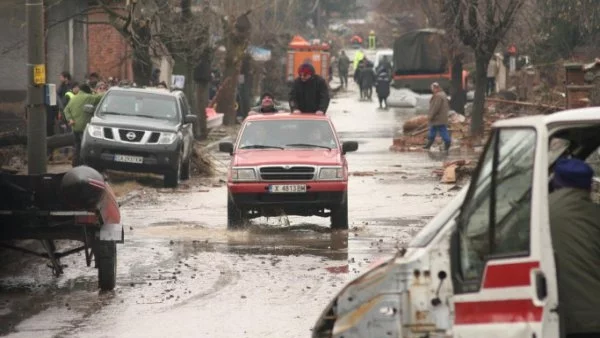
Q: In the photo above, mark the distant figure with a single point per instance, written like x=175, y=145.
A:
x=439, y=107
x=343, y=65
x=383, y=86
x=367, y=79
x=492, y=72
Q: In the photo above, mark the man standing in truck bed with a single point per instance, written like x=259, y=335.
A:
x=310, y=92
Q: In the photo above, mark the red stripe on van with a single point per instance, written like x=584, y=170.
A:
x=508, y=275
x=497, y=311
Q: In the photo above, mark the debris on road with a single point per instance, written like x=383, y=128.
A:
x=453, y=171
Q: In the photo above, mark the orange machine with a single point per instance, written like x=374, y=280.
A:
x=301, y=51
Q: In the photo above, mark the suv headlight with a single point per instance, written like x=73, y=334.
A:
x=95, y=131
x=333, y=173
x=243, y=174
x=167, y=138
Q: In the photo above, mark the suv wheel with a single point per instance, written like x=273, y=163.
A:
x=171, y=179
x=186, y=168
x=339, y=216
x=235, y=220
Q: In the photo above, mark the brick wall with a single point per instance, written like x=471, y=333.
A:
x=108, y=52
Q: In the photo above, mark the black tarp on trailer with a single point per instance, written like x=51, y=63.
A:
x=420, y=52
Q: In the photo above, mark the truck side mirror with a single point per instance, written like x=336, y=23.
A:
x=226, y=147
x=349, y=146
x=89, y=109
x=190, y=119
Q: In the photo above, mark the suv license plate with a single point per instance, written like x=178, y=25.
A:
x=129, y=159
x=287, y=188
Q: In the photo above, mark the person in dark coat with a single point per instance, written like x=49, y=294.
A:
x=343, y=65
x=267, y=105
x=383, y=87
x=367, y=80
x=575, y=229
x=310, y=92
x=357, y=77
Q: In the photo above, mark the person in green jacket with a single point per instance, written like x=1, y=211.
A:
x=575, y=230
x=77, y=118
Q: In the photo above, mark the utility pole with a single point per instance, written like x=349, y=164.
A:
x=36, y=75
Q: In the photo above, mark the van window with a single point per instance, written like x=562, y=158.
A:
x=495, y=218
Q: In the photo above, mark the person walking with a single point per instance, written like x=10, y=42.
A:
x=383, y=86
x=439, y=108
x=78, y=118
x=343, y=65
x=492, y=72
x=310, y=92
x=367, y=79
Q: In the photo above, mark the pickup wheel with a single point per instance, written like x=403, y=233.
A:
x=339, y=216
x=186, y=168
x=171, y=179
x=234, y=215
x=106, y=261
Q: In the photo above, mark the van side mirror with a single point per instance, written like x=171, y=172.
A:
x=349, y=146
x=190, y=119
x=89, y=109
x=226, y=147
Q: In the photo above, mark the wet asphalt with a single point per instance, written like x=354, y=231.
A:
x=181, y=273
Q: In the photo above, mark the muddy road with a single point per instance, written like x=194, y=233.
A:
x=181, y=273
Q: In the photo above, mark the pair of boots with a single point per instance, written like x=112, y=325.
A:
x=430, y=143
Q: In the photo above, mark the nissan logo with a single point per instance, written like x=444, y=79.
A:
x=130, y=136
x=287, y=167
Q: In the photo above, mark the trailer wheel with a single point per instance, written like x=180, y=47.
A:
x=106, y=261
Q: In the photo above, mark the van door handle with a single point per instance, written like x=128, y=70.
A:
x=541, y=287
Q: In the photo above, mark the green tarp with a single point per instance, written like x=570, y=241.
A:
x=420, y=52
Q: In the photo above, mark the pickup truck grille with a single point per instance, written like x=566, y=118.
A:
x=280, y=173
x=123, y=133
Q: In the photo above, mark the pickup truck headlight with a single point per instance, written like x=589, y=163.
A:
x=334, y=173
x=243, y=174
x=167, y=138
x=95, y=131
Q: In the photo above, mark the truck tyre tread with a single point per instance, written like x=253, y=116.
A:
x=234, y=215
x=339, y=216
x=106, y=260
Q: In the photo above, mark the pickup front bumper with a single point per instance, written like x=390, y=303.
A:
x=157, y=158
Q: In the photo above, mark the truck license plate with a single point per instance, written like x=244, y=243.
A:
x=129, y=159
x=287, y=188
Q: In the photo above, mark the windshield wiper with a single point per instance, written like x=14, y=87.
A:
x=148, y=116
x=110, y=113
x=307, y=145
x=260, y=146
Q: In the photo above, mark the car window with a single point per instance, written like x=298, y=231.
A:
x=288, y=134
x=184, y=106
x=139, y=104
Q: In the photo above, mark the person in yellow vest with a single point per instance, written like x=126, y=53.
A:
x=358, y=56
x=64, y=124
x=372, y=40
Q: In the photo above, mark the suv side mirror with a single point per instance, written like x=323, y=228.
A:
x=226, y=147
x=89, y=109
x=190, y=119
x=349, y=146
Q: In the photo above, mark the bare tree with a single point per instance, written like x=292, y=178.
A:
x=136, y=26
x=480, y=25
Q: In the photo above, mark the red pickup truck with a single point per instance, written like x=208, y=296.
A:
x=287, y=164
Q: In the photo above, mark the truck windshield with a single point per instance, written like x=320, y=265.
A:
x=287, y=133
x=145, y=105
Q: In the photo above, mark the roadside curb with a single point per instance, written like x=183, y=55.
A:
x=215, y=145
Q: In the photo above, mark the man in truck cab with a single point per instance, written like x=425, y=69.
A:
x=310, y=92
x=575, y=229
